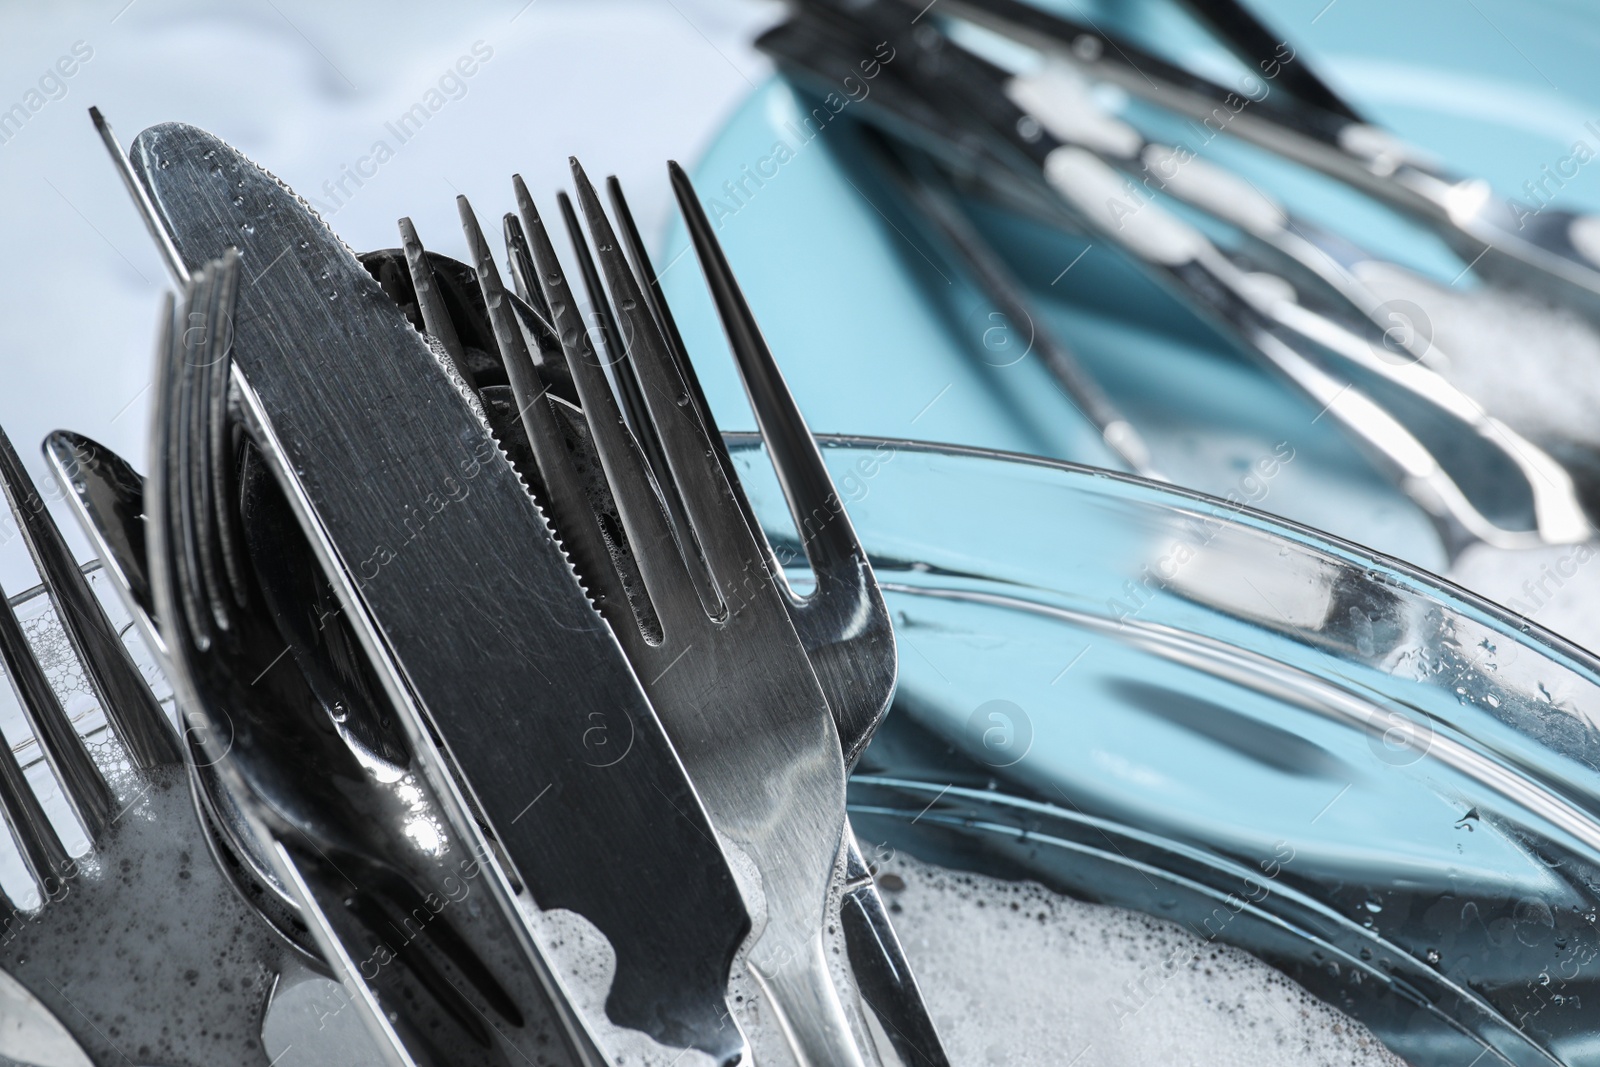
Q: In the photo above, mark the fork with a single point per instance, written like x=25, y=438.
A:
x=843, y=622
x=721, y=663
x=88, y=949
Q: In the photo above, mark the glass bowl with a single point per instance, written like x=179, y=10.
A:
x=1379, y=783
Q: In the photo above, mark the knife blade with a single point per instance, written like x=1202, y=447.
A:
x=446, y=565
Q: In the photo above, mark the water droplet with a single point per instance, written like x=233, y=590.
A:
x=247, y=227
x=238, y=201
x=1374, y=906
x=339, y=712
x=1433, y=956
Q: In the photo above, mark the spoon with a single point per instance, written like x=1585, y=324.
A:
x=107, y=496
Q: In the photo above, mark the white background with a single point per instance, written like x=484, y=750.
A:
x=305, y=89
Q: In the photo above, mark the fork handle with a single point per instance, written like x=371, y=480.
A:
x=882, y=972
x=801, y=991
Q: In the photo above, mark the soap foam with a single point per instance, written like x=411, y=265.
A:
x=1534, y=365
x=1016, y=976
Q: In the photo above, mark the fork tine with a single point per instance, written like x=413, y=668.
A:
x=86, y=791
x=175, y=454
x=655, y=551
x=42, y=851
x=166, y=548
x=435, y=316
x=564, y=498
x=221, y=454
x=202, y=357
x=126, y=699
x=522, y=272
x=615, y=345
x=628, y=230
x=631, y=397
x=713, y=512
x=534, y=314
x=831, y=543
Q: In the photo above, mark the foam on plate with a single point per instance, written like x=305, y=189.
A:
x=1018, y=976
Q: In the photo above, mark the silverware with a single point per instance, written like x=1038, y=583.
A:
x=107, y=495
x=732, y=682
x=1303, y=278
x=421, y=523
x=843, y=623
x=931, y=193
x=1267, y=322
x=131, y=708
x=1533, y=246
x=123, y=939
x=1251, y=41
x=394, y=896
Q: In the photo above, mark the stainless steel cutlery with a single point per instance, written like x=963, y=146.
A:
x=393, y=649
x=149, y=948
x=478, y=648
x=1479, y=483
x=476, y=639
x=1548, y=250
x=843, y=622
x=420, y=520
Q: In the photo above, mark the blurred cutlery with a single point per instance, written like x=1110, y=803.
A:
x=1260, y=312
x=1533, y=246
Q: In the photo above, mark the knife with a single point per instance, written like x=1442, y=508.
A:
x=459, y=591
